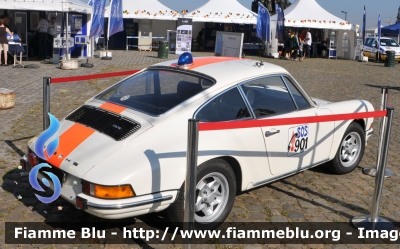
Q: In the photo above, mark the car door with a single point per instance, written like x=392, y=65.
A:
x=245, y=145
x=295, y=146
x=369, y=47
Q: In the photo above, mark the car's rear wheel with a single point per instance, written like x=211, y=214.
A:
x=215, y=195
x=350, y=151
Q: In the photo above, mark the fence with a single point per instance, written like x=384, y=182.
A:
x=195, y=126
x=47, y=81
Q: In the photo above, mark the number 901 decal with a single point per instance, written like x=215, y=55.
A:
x=298, y=139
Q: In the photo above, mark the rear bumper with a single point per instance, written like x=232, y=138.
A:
x=130, y=207
x=71, y=191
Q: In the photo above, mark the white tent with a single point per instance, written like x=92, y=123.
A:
x=47, y=5
x=223, y=11
x=146, y=9
x=309, y=14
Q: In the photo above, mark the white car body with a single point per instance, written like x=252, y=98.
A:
x=153, y=159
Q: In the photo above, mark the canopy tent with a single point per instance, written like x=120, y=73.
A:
x=309, y=14
x=393, y=29
x=47, y=5
x=146, y=9
x=223, y=11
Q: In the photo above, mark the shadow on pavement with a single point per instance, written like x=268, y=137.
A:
x=11, y=144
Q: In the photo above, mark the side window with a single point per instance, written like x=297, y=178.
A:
x=368, y=42
x=268, y=96
x=227, y=106
x=300, y=100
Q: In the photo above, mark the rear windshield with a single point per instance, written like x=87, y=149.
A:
x=155, y=91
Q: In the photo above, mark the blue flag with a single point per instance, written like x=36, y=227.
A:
x=98, y=18
x=115, y=20
x=263, y=23
x=364, y=23
x=379, y=32
x=280, y=24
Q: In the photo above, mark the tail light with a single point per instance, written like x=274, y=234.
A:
x=32, y=159
x=81, y=203
x=107, y=192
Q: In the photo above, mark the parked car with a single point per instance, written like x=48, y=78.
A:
x=371, y=49
x=123, y=153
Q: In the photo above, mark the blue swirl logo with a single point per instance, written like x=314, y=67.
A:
x=44, y=148
x=35, y=184
x=41, y=149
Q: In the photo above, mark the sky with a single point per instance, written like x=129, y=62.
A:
x=388, y=9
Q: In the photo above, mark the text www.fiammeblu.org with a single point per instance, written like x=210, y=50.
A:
x=233, y=233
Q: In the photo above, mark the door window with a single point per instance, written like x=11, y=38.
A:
x=227, y=106
x=268, y=96
x=300, y=100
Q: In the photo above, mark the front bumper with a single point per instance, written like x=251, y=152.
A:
x=396, y=57
x=71, y=191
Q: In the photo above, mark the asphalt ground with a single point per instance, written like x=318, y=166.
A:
x=315, y=195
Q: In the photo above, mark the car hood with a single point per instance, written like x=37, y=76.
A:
x=82, y=146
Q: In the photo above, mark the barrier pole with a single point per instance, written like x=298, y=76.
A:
x=372, y=170
x=373, y=222
x=46, y=102
x=191, y=172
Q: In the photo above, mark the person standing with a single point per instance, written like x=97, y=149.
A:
x=51, y=34
x=42, y=37
x=3, y=40
x=307, y=44
x=295, y=46
x=287, y=45
x=301, y=54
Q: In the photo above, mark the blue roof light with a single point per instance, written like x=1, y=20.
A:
x=185, y=59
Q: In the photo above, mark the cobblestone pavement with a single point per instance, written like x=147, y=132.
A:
x=314, y=195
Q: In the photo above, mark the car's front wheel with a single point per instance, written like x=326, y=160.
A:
x=215, y=195
x=350, y=151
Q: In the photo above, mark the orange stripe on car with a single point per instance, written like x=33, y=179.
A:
x=113, y=107
x=69, y=140
x=198, y=62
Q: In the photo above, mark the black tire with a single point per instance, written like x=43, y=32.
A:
x=349, y=154
x=214, y=168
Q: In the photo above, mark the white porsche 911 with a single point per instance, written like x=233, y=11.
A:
x=123, y=153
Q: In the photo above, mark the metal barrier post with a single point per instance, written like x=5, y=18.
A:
x=191, y=172
x=46, y=102
x=372, y=170
x=373, y=222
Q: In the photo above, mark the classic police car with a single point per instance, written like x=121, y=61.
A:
x=371, y=49
x=123, y=153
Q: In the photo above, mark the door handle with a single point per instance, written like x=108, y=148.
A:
x=270, y=133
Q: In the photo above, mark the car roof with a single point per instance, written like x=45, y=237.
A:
x=382, y=37
x=226, y=70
